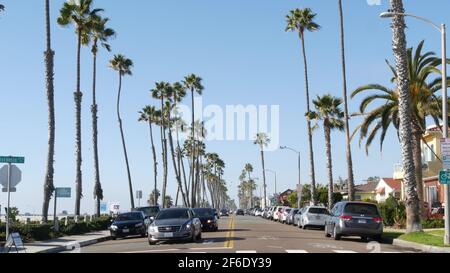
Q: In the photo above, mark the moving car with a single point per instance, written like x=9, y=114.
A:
x=239, y=212
x=175, y=224
x=354, y=219
x=128, y=224
x=290, y=217
x=224, y=213
x=150, y=212
x=313, y=217
x=208, y=218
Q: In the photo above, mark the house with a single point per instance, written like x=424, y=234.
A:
x=366, y=191
x=389, y=187
x=283, y=197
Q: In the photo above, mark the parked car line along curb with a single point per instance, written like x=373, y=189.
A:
x=424, y=248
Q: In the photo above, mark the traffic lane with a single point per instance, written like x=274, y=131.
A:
x=265, y=236
x=212, y=241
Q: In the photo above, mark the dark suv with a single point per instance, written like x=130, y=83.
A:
x=354, y=219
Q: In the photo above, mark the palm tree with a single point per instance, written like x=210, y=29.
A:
x=99, y=33
x=351, y=183
x=150, y=115
x=79, y=14
x=400, y=53
x=194, y=84
x=123, y=66
x=249, y=169
x=302, y=20
x=425, y=103
x=162, y=92
x=329, y=112
x=49, y=187
x=263, y=141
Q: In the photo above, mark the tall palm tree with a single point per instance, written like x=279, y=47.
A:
x=123, y=66
x=193, y=83
x=400, y=52
x=263, y=141
x=302, y=20
x=99, y=33
x=351, y=183
x=249, y=169
x=328, y=111
x=80, y=14
x=424, y=100
x=150, y=115
x=162, y=92
x=49, y=187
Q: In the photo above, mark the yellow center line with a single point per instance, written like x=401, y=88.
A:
x=231, y=245
x=227, y=237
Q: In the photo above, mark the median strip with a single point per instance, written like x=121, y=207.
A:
x=229, y=233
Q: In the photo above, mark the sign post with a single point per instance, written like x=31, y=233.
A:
x=59, y=193
x=139, y=197
x=18, y=177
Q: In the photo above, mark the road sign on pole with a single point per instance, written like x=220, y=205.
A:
x=59, y=193
x=12, y=159
x=444, y=177
x=445, y=152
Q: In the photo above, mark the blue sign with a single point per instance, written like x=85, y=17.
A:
x=444, y=177
x=63, y=192
x=103, y=207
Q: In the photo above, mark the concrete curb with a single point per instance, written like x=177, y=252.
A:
x=73, y=245
x=424, y=248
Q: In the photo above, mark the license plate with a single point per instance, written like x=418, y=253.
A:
x=362, y=221
x=125, y=230
x=168, y=235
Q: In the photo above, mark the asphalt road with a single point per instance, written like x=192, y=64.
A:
x=248, y=234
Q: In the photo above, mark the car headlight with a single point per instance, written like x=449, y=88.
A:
x=188, y=227
x=153, y=229
x=114, y=227
x=139, y=225
x=209, y=221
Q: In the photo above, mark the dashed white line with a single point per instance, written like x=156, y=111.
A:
x=246, y=252
x=296, y=251
x=344, y=251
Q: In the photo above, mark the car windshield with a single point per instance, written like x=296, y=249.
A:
x=361, y=209
x=287, y=210
x=149, y=211
x=173, y=214
x=294, y=211
x=203, y=212
x=129, y=217
x=318, y=211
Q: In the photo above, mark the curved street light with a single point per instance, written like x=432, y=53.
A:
x=299, y=169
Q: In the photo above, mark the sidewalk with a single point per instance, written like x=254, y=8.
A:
x=69, y=243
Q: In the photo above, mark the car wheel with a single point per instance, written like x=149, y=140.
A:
x=327, y=234
x=336, y=236
x=113, y=238
x=199, y=236
x=304, y=227
x=378, y=238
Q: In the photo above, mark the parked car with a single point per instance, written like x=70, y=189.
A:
x=175, y=224
x=313, y=216
x=259, y=212
x=208, y=218
x=150, y=212
x=269, y=214
x=277, y=213
x=224, y=213
x=290, y=216
x=128, y=224
x=298, y=216
x=283, y=216
x=240, y=212
x=354, y=219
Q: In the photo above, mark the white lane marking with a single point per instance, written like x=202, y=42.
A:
x=296, y=251
x=153, y=250
x=344, y=251
x=197, y=252
x=208, y=242
x=246, y=251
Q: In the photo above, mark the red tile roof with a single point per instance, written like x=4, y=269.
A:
x=395, y=184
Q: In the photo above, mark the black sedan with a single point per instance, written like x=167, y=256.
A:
x=129, y=224
x=240, y=212
x=208, y=218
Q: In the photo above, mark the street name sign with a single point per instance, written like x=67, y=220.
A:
x=12, y=159
x=444, y=177
x=63, y=192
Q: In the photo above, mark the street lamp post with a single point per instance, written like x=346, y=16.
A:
x=299, y=197
x=275, y=173
x=442, y=30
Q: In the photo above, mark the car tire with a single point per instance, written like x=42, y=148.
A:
x=113, y=238
x=378, y=238
x=336, y=236
x=304, y=227
x=199, y=237
x=327, y=234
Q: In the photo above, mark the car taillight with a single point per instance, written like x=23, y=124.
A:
x=378, y=219
x=346, y=217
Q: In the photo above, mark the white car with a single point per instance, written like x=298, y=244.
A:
x=277, y=212
x=313, y=217
x=284, y=214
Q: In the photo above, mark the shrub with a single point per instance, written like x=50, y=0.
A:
x=393, y=212
x=433, y=223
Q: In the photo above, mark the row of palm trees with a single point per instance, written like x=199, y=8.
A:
x=407, y=107
x=246, y=187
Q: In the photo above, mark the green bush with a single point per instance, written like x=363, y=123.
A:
x=433, y=223
x=393, y=212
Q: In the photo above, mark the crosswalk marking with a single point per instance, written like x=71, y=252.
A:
x=344, y=251
x=296, y=251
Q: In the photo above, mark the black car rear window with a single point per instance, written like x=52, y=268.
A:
x=203, y=212
x=149, y=211
x=318, y=211
x=361, y=209
x=173, y=214
x=129, y=217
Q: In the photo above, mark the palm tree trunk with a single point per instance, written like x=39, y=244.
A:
x=98, y=192
x=310, y=133
x=399, y=47
x=192, y=150
x=186, y=187
x=177, y=172
x=329, y=164
x=264, y=177
x=49, y=72
x=130, y=185
x=78, y=95
x=155, y=163
x=164, y=150
x=417, y=151
x=351, y=183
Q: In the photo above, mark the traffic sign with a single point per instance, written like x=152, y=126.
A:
x=444, y=177
x=12, y=159
x=16, y=176
x=139, y=194
x=445, y=152
x=63, y=192
x=103, y=207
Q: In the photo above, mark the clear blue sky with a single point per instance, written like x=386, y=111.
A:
x=238, y=47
